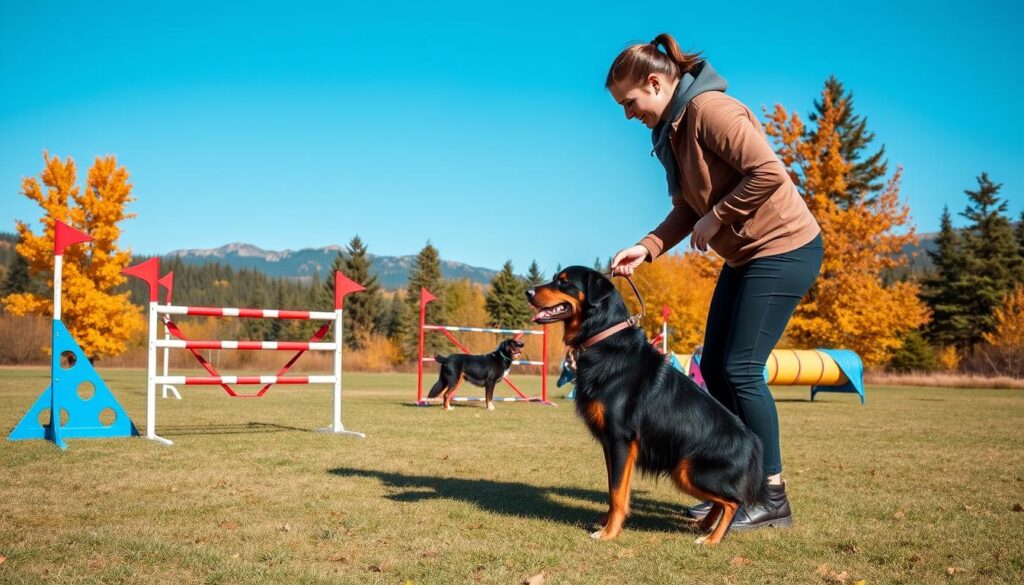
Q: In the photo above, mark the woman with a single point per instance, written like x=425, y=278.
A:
x=731, y=193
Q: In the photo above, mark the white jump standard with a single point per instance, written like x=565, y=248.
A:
x=149, y=270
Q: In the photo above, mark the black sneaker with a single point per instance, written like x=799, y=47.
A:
x=773, y=513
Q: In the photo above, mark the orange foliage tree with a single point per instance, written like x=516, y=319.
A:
x=850, y=305
x=101, y=321
x=684, y=282
x=1009, y=321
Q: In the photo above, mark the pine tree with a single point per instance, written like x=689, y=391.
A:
x=992, y=260
x=362, y=310
x=866, y=173
x=425, y=273
x=506, y=300
x=276, y=331
x=1018, y=234
x=534, y=276
x=18, y=279
x=396, y=318
x=915, y=355
x=946, y=290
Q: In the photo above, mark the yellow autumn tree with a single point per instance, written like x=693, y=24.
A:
x=100, y=320
x=850, y=305
x=1009, y=322
x=684, y=282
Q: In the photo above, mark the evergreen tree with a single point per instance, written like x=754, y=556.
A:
x=363, y=309
x=1018, y=234
x=534, y=276
x=256, y=295
x=276, y=331
x=396, y=318
x=425, y=273
x=945, y=289
x=915, y=355
x=506, y=300
x=18, y=279
x=867, y=171
x=992, y=261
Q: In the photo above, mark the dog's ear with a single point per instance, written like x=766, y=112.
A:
x=598, y=289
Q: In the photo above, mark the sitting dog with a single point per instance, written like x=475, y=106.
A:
x=644, y=412
x=481, y=370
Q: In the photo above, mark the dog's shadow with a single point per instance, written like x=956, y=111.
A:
x=524, y=500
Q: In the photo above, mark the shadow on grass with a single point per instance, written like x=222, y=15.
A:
x=525, y=500
x=227, y=429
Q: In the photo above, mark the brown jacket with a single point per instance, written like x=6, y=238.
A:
x=727, y=167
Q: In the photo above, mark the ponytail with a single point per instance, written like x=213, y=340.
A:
x=636, y=62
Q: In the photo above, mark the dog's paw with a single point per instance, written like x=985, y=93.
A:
x=706, y=540
x=604, y=534
x=449, y=407
x=490, y=407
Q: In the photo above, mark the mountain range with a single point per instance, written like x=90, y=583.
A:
x=392, y=271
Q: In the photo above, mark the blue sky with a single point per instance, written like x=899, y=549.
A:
x=483, y=128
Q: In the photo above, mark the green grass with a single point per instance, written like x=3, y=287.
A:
x=916, y=483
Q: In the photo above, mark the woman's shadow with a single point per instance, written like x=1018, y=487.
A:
x=525, y=500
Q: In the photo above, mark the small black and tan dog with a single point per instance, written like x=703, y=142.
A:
x=644, y=412
x=481, y=370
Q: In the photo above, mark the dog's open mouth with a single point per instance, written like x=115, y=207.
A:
x=559, y=312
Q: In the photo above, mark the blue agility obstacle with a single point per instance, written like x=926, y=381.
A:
x=76, y=391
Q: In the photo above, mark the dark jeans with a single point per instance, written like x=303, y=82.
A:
x=749, y=311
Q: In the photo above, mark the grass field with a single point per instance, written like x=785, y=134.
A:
x=918, y=486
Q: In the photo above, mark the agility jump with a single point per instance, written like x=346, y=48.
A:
x=446, y=330
x=149, y=272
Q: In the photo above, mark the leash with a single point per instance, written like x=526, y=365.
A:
x=643, y=309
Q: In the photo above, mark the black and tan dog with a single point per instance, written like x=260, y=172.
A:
x=481, y=370
x=644, y=412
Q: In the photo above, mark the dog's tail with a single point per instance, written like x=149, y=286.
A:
x=440, y=359
x=755, y=492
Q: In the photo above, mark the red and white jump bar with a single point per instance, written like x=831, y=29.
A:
x=249, y=345
x=218, y=380
x=248, y=313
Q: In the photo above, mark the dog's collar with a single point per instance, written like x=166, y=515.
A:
x=594, y=340
x=502, y=354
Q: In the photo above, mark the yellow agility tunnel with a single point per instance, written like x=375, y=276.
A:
x=824, y=370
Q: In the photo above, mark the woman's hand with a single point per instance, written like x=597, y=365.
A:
x=705, y=229
x=627, y=260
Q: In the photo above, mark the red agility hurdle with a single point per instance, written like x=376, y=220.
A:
x=149, y=272
x=426, y=297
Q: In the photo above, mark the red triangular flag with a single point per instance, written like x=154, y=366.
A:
x=168, y=283
x=425, y=296
x=343, y=285
x=148, y=271
x=65, y=235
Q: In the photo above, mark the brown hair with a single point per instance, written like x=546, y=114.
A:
x=638, y=61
